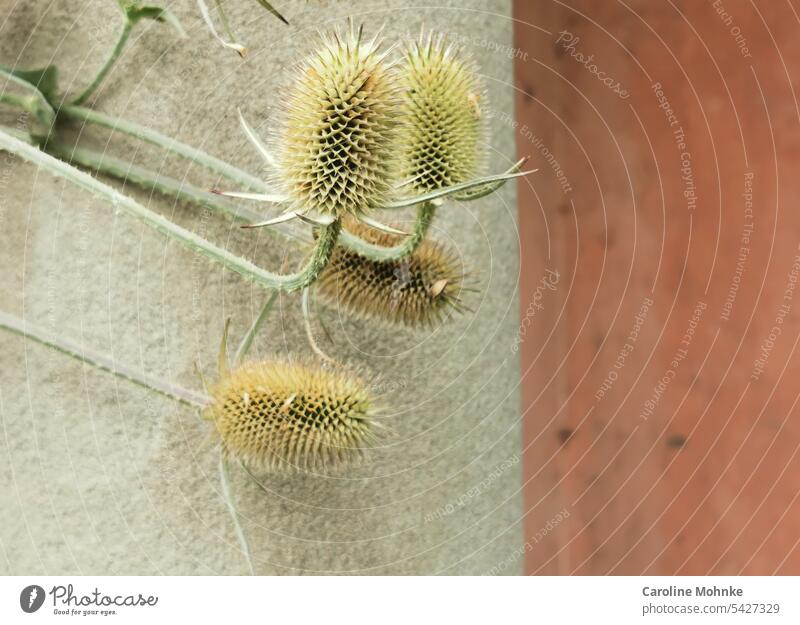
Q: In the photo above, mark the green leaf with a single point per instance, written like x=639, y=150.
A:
x=272, y=10
x=45, y=79
x=32, y=99
x=136, y=12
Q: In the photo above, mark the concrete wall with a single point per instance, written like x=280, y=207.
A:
x=98, y=476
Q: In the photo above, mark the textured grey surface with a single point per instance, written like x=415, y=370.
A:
x=100, y=477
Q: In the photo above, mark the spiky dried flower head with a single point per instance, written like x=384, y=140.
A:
x=415, y=291
x=336, y=147
x=443, y=121
x=287, y=416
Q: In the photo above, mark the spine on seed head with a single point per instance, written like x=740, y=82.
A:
x=285, y=416
x=337, y=142
x=416, y=291
x=442, y=114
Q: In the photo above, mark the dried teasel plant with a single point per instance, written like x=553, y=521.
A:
x=336, y=144
x=351, y=112
x=334, y=150
x=440, y=143
x=356, y=123
x=415, y=291
x=330, y=160
x=274, y=415
x=284, y=416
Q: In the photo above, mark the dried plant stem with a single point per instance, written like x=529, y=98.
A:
x=100, y=361
x=152, y=181
x=224, y=19
x=109, y=63
x=167, y=143
x=230, y=503
x=240, y=49
x=141, y=177
x=247, y=340
x=312, y=341
x=425, y=214
x=326, y=239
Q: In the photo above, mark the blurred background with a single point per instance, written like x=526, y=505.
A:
x=660, y=392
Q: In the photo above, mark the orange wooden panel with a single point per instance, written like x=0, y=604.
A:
x=661, y=424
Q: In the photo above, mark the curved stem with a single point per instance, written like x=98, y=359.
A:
x=26, y=103
x=326, y=240
x=110, y=61
x=167, y=143
x=425, y=214
x=36, y=103
x=312, y=341
x=230, y=503
x=247, y=340
x=100, y=361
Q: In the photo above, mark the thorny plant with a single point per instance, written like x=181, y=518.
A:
x=361, y=133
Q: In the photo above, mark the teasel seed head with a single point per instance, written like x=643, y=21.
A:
x=416, y=291
x=336, y=147
x=443, y=121
x=283, y=416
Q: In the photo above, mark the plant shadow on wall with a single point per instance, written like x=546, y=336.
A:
x=365, y=129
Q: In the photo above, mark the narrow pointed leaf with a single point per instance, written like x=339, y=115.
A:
x=312, y=341
x=230, y=504
x=287, y=216
x=256, y=141
x=374, y=223
x=321, y=220
x=258, y=197
x=272, y=10
x=479, y=192
x=464, y=186
x=222, y=357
